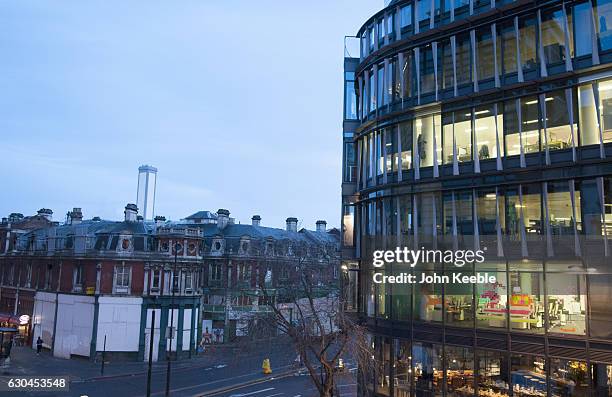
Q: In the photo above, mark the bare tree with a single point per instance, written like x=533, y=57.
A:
x=309, y=311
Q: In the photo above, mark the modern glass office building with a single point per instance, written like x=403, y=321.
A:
x=483, y=125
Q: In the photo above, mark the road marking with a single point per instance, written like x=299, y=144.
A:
x=251, y=393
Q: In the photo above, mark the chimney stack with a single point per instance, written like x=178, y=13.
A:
x=76, y=216
x=222, y=218
x=131, y=211
x=45, y=213
x=256, y=219
x=292, y=224
x=159, y=220
x=321, y=226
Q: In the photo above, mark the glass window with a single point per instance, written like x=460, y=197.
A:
x=407, y=74
x=589, y=126
x=492, y=298
x=532, y=208
x=401, y=294
x=459, y=371
x=406, y=138
x=553, y=36
x=511, y=128
x=558, y=129
x=402, y=378
x=350, y=104
x=489, y=206
x=463, y=135
x=423, y=139
x=391, y=160
x=405, y=209
x=427, y=69
x=381, y=29
x=528, y=374
x=485, y=132
x=508, y=35
x=380, y=161
x=396, y=85
x=464, y=211
x=384, y=368
x=605, y=108
x=561, y=218
x=569, y=378
x=493, y=373
x=530, y=128
x=464, y=59
x=427, y=297
x=458, y=299
x=406, y=16
x=428, y=373
x=603, y=16
x=527, y=298
x=600, y=296
x=447, y=138
x=372, y=92
x=485, y=57
x=583, y=23
x=380, y=90
x=566, y=301
x=348, y=224
x=527, y=37
x=590, y=207
x=423, y=10
x=427, y=203
x=446, y=56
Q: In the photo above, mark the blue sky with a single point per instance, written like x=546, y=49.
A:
x=237, y=103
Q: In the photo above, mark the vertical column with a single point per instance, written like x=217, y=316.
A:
x=383, y=142
x=436, y=172
x=434, y=231
x=572, y=189
x=454, y=222
x=498, y=230
x=399, y=154
x=600, y=191
x=474, y=59
x=455, y=162
x=398, y=25
x=434, y=49
x=375, y=88
x=400, y=71
x=519, y=67
x=432, y=12
x=520, y=128
x=594, y=46
x=495, y=60
x=499, y=145
x=417, y=63
x=602, y=154
x=415, y=221
x=543, y=70
x=475, y=221
x=542, y=100
x=453, y=41
x=475, y=156
x=566, y=30
x=524, y=250
x=549, y=246
x=570, y=111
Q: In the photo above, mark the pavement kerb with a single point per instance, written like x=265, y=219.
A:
x=244, y=384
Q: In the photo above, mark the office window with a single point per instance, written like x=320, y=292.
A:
x=380, y=89
x=423, y=10
x=423, y=139
x=589, y=126
x=561, y=218
x=532, y=208
x=406, y=16
x=566, y=302
x=463, y=135
x=464, y=59
x=383, y=295
x=390, y=83
x=406, y=138
x=558, y=129
x=553, y=36
x=372, y=91
x=528, y=44
x=430, y=208
x=488, y=207
x=492, y=298
x=464, y=213
x=603, y=17
x=427, y=297
x=527, y=297
x=406, y=70
x=350, y=165
x=380, y=161
x=485, y=57
x=427, y=69
x=485, y=132
x=493, y=372
x=350, y=98
x=446, y=58
x=583, y=25
x=605, y=109
x=447, y=138
x=392, y=160
x=397, y=86
x=530, y=126
x=405, y=212
x=459, y=371
x=508, y=44
x=600, y=296
x=402, y=294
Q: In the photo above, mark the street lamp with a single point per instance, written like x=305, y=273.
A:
x=177, y=248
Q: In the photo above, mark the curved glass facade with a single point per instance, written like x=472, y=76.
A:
x=483, y=125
